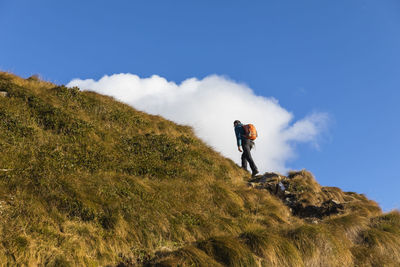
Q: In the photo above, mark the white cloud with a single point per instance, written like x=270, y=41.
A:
x=210, y=106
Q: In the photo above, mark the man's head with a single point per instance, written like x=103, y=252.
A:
x=236, y=122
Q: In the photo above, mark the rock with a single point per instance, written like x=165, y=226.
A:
x=266, y=177
x=298, y=198
x=280, y=190
x=3, y=94
x=332, y=207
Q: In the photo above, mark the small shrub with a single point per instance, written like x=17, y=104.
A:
x=14, y=125
x=21, y=242
x=52, y=118
x=108, y=218
x=34, y=78
x=74, y=208
x=66, y=93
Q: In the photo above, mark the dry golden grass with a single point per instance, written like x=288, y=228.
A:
x=273, y=248
x=320, y=247
x=93, y=182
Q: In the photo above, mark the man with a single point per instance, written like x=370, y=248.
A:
x=247, y=145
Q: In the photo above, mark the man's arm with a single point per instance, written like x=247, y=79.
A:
x=238, y=138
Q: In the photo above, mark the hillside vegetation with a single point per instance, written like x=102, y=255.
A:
x=88, y=181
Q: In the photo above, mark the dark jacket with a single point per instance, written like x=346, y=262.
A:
x=239, y=132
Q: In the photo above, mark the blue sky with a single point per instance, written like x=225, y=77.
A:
x=340, y=57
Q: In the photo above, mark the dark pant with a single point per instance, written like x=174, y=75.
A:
x=246, y=156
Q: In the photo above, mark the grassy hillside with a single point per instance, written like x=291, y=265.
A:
x=86, y=180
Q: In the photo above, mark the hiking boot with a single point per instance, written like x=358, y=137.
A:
x=254, y=173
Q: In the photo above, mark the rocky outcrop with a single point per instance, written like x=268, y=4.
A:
x=306, y=198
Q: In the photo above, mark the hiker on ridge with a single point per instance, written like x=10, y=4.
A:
x=245, y=140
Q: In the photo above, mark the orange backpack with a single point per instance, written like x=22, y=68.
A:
x=250, y=131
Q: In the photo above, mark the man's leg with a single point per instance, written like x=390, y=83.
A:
x=244, y=161
x=247, y=155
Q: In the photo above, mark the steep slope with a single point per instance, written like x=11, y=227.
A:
x=86, y=180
